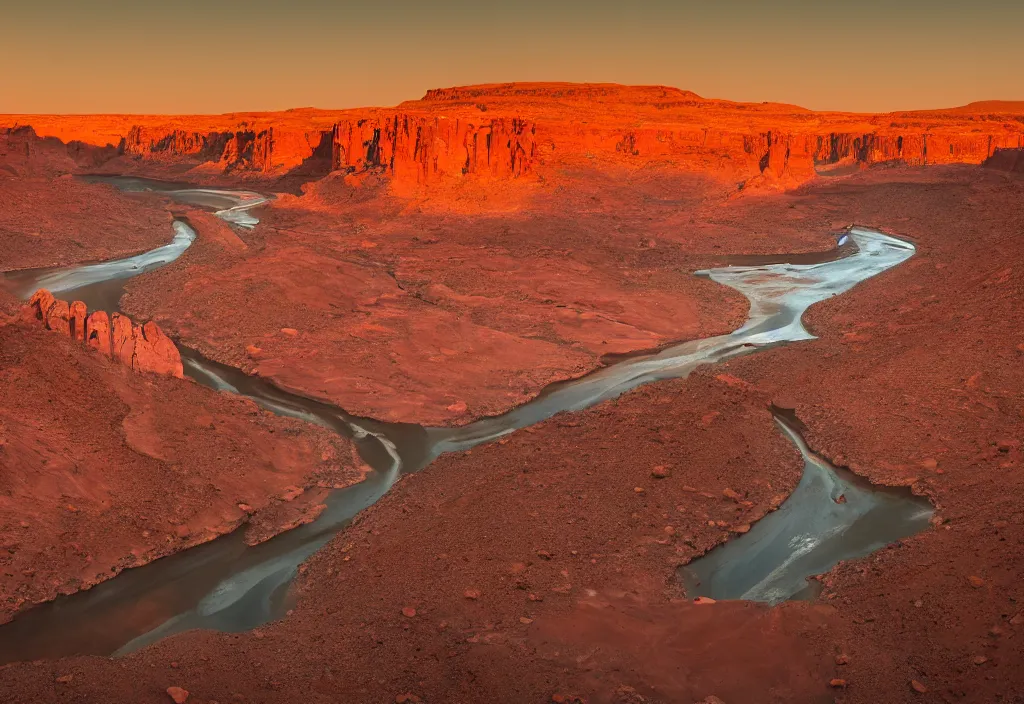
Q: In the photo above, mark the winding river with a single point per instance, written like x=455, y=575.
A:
x=229, y=586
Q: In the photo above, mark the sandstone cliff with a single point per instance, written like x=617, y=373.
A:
x=510, y=131
x=265, y=151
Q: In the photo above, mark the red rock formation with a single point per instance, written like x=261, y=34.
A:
x=122, y=345
x=510, y=130
x=77, y=315
x=144, y=348
x=258, y=151
x=97, y=332
x=154, y=351
x=40, y=304
x=427, y=148
x=57, y=317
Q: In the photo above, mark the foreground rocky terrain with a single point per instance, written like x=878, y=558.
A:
x=106, y=468
x=542, y=567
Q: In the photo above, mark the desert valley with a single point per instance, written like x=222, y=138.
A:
x=522, y=392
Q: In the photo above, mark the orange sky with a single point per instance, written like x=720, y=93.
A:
x=201, y=56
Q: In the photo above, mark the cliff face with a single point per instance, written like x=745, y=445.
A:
x=918, y=149
x=424, y=149
x=511, y=131
x=260, y=151
x=144, y=348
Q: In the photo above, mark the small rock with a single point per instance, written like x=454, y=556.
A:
x=64, y=679
x=525, y=621
x=291, y=332
x=182, y=531
x=708, y=418
x=703, y=600
x=841, y=499
x=177, y=694
x=837, y=683
x=408, y=697
x=660, y=472
x=1017, y=619
x=742, y=528
x=472, y=594
x=409, y=612
x=976, y=581
x=730, y=494
x=638, y=489
x=458, y=407
x=842, y=659
x=980, y=660
x=733, y=381
x=929, y=463
x=544, y=555
x=918, y=687
x=253, y=350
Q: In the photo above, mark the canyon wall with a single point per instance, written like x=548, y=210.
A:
x=143, y=348
x=262, y=151
x=512, y=131
x=424, y=149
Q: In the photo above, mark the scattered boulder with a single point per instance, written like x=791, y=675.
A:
x=731, y=494
x=178, y=695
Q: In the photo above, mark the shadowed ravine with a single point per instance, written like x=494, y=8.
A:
x=229, y=586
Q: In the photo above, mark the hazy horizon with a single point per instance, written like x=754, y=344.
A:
x=193, y=57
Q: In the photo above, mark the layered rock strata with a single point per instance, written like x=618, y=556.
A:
x=508, y=131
